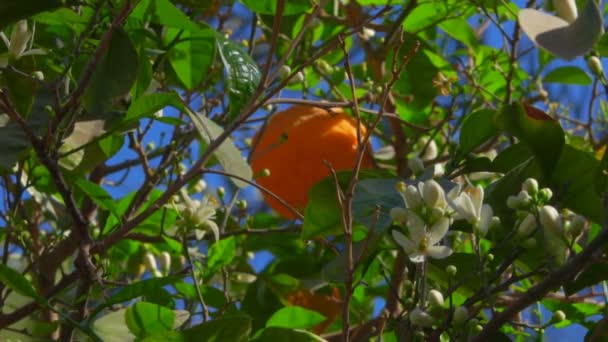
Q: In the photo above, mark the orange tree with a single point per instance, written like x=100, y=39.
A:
x=436, y=168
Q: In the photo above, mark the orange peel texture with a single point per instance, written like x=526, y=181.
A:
x=293, y=147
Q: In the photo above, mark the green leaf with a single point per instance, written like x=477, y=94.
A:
x=13, y=141
x=578, y=193
x=17, y=282
x=540, y=132
x=425, y=15
x=227, y=154
x=568, y=75
x=163, y=12
x=98, y=195
x=233, y=328
x=275, y=334
x=460, y=30
x=21, y=88
x=270, y=6
x=192, y=56
x=148, y=104
x=11, y=11
x=147, y=319
x=477, y=128
x=243, y=74
x=220, y=254
x=295, y=317
x=373, y=200
x=113, y=75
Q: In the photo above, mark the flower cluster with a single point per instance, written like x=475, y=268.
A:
x=533, y=211
x=429, y=212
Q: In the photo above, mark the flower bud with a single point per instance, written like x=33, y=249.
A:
x=284, y=72
x=412, y=197
x=477, y=328
x=577, y=224
x=524, y=198
x=398, y=214
x=432, y=193
x=401, y=186
x=566, y=9
x=595, y=65
x=151, y=264
x=451, y=270
x=527, y=225
x=461, y=314
x=551, y=221
x=39, y=75
x=200, y=186
x=421, y=318
x=416, y=165
x=435, y=298
x=513, y=202
x=297, y=78
x=165, y=262
x=431, y=152
x=558, y=316
x=265, y=172
x=241, y=204
x=545, y=194
x=367, y=33
x=221, y=192
x=530, y=186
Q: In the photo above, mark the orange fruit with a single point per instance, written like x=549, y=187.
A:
x=293, y=147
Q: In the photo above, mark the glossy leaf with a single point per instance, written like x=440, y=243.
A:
x=542, y=134
x=147, y=319
x=17, y=282
x=568, y=75
x=227, y=154
x=98, y=195
x=295, y=317
x=114, y=74
x=163, y=12
x=192, y=55
x=243, y=74
x=13, y=141
x=460, y=30
x=274, y=334
x=270, y=6
x=477, y=128
x=231, y=328
x=22, y=88
x=220, y=254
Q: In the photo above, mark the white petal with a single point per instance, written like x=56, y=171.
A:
x=33, y=52
x=412, y=197
x=214, y=229
x=485, y=220
x=416, y=227
x=453, y=193
x=432, y=193
x=438, y=230
x=200, y=234
x=5, y=39
x=416, y=257
x=566, y=9
x=405, y=243
x=464, y=207
x=438, y=252
x=477, y=199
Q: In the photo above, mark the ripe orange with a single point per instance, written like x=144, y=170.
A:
x=293, y=147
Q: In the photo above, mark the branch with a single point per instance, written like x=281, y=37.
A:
x=554, y=279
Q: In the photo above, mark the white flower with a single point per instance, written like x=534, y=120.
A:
x=398, y=214
x=431, y=152
x=469, y=206
x=197, y=215
x=368, y=33
x=165, y=262
x=151, y=264
x=461, y=314
x=421, y=318
x=17, y=45
x=422, y=243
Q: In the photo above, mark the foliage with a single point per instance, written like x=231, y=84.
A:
x=130, y=211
